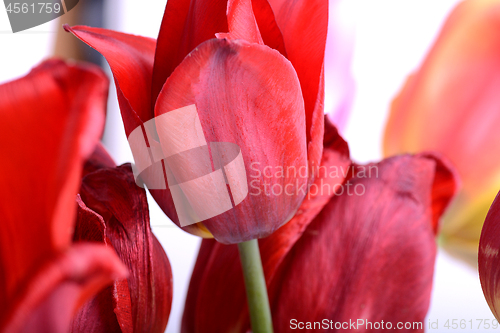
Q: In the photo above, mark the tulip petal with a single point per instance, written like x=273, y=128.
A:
x=205, y=311
x=113, y=194
x=304, y=26
x=185, y=25
x=269, y=30
x=241, y=22
x=56, y=291
x=50, y=121
x=489, y=265
x=359, y=241
x=451, y=106
x=334, y=169
x=99, y=159
x=244, y=94
x=131, y=60
x=334, y=270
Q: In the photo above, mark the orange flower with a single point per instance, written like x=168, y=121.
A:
x=451, y=105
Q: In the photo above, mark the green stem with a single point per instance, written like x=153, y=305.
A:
x=255, y=283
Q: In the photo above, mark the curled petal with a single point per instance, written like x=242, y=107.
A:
x=451, y=106
x=244, y=94
x=58, y=289
x=131, y=60
x=142, y=302
x=51, y=120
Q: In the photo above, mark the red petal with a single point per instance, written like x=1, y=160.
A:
x=59, y=288
x=489, y=265
x=271, y=33
x=249, y=95
x=131, y=60
x=241, y=22
x=206, y=310
x=113, y=194
x=334, y=168
x=185, y=25
x=50, y=122
x=304, y=25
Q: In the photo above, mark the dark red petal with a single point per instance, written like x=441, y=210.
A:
x=89, y=225
x=369, y=256
x=343, y=266
x=99, y=159
x=304, y=25
x=185, y=25
x=97, y=314
x=247, y=94
x=131, y=60
x=329, y=177
x=206, y=310
x=113, y=194
x=53, y=294
x=51, y=120
x=489, y=265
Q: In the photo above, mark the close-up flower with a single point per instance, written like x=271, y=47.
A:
x=336, y=259
x=236, y=166
x=254, y=73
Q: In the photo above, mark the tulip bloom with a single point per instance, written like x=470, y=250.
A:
x=451, y=106
x=345, y=256
x=488, y=261
x=254, y=71
x=113, y=210
x=50, y=121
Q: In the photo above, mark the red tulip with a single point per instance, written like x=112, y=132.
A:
x=489, y=263
x=451, y=105
x=113, y=210
x=50, y=121
x=367, y=255
x=254, y=71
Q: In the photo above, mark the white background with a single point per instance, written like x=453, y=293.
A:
x=392, y=37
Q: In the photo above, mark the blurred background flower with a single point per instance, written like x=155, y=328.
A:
x=451, y=105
